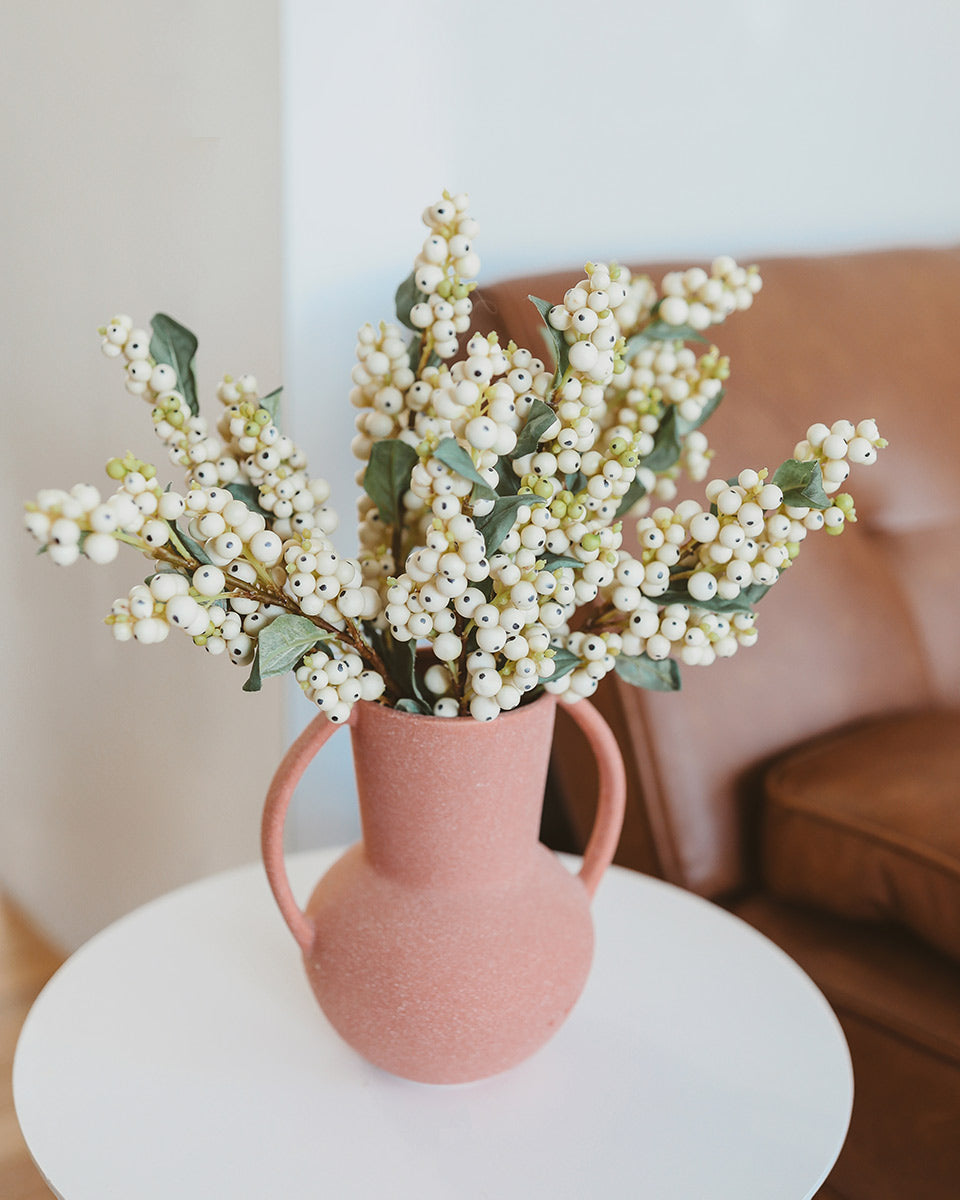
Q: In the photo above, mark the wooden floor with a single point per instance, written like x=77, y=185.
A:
x=26, y=963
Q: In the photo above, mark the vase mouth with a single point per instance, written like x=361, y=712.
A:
x=388, y=712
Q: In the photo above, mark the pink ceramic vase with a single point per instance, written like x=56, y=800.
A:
x=449, y=944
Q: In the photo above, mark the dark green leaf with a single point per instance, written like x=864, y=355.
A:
x=254, y=681
x=635, y=493
x=499, y=521
x=413, y=706
x=507, y=480
x=564, y=661
x=666, y=444
x=249, y=495
x=575, y=482
x=176, y=346
x=555, y=339
x=539, y=419
x=387, y=477
x=282, y=643
x=453, y=455
x=641, y=671
x=408, y=294
x=802, y=484
x=193, y=548
x=271, y=402
x=400, y=660
x=553, y=562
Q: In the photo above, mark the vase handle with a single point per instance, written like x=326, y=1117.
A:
x=282, y=786
x=611, y=798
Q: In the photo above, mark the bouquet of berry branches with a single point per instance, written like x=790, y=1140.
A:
x=496, y=485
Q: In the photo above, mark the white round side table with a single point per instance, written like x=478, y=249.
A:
x=180, y=1053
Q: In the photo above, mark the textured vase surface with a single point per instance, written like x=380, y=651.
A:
x=448, y=944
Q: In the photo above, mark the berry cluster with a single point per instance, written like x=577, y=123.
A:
x=336, y=684
x=381, y=378
x=444, y=272
x=700, y=300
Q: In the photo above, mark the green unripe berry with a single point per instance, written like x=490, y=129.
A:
x=590, y=541
x=116, y=469
x=444, y=288
x=543, y=488
x=261, y=416
x=618, y=445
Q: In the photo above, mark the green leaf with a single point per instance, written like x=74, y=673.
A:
x=802, y=484
x=407, y=295
x=192, y=547
x=539, y=419
x=635, y=492
x=564, y=661
x=453, y=455
x=387, y=477
x=271, y=402
x=553, y=562
x=666, y=444
x=283, y=642
x=420, y=707
x=176, y=346
x=499, y=521
x=743, y=603
x=667, y=447
x=555, y=339
x=660, y=331
x=641, y=671
x=249, y=495
x=254, y=681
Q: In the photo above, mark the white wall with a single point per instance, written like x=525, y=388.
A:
x=625, y=130
x=141, y=173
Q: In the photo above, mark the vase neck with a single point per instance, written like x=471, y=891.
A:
x=447, y=800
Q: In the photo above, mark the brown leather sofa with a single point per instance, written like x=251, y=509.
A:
x=812, y=783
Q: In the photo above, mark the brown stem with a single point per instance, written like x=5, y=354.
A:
x=251, y=591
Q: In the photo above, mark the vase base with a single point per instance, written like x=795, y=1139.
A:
x=441, y=987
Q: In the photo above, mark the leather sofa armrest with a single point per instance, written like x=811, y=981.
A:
x=865, y=823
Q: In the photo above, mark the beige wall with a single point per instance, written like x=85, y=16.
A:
x=141, y=172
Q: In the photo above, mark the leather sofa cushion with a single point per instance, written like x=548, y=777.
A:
x=865, y=823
